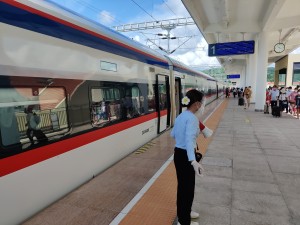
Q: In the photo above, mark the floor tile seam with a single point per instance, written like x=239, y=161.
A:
x=260, y=213
x=253, y=181
x=282, y=173
x=212, y=205
x=285, y=156
x=256, y=192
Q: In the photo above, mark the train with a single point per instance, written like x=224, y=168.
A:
x=97, y=94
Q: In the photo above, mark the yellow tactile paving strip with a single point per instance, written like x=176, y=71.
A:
x=158, y=204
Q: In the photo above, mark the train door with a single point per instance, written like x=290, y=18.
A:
x=163, y=102
x=178, y=95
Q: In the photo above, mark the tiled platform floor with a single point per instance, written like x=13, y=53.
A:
x=252, y=171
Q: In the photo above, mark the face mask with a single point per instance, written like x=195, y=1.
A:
x=200, y=111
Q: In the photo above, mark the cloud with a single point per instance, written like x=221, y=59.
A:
x=105, y=18
x=190, y=46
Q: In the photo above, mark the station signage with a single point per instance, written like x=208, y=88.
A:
x=231, y=48
x=233, y=76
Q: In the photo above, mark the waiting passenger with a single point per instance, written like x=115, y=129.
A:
x=292, y=101
x=283, y=100
x=297, y=103
x=274, y=93
x=247, y=96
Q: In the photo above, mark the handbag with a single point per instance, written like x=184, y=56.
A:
x=198, y=154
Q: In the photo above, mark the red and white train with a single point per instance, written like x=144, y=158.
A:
x=99, y=96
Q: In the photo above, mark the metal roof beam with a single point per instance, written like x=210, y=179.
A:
x=164, y=24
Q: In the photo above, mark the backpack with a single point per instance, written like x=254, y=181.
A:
x=34, y=121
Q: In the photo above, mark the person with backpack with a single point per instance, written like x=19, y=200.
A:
x=33, y=130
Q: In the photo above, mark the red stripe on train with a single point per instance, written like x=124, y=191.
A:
x=14, y=163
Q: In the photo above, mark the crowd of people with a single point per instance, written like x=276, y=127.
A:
x=242, y=93
x=287, y=98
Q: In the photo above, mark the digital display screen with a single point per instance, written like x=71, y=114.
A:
x=233, y=76
x=231, y=48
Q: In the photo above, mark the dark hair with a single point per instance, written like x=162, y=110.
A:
x=194, y=96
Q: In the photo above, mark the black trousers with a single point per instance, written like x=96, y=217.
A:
x=186, y=186
x=274, y=103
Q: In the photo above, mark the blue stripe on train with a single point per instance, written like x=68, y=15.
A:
x=21, y=18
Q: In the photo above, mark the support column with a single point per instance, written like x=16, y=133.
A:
x=262, y=66
x=253, y=74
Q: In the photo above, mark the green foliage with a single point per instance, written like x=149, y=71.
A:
x=218, y=73
x=270, y=74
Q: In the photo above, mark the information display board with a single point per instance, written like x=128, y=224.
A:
x=233, y=76
x=231, y=48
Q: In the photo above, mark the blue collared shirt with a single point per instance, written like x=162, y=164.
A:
x=185, y=132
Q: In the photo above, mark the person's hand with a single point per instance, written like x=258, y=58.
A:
x=207, y=132
x=198, y=168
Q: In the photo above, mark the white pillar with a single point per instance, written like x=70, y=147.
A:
x=243, y=72
x=252, y=74
x=262, y=65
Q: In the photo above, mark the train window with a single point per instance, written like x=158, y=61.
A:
x=32, y=115
x=163, y=104
x=151, y=98
x=108, y=66
x=119, y=102
x=105, y=106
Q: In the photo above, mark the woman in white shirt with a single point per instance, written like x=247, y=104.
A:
x=185, y=132
x=283, y=100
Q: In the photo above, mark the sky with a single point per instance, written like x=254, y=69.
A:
x=190, y=46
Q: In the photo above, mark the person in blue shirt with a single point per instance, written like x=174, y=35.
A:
x=185, y=132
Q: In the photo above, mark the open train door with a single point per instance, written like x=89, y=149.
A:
x=162, y=94
x=178, y=96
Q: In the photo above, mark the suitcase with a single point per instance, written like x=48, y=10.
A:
x=40, y=136
x=266, y=109
x=276, y=112
x=241, y=101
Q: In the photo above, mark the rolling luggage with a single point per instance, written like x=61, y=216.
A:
x=266, y=109
x=241, y=101
x=276, y=111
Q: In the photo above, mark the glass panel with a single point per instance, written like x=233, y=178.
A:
x=296, y=74
x=108, y=66
x=162, y=90
x=27, y=114
x=119, y=101
x=151, y=98
x=282, y=79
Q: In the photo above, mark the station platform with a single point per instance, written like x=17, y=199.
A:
x=252, y=176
